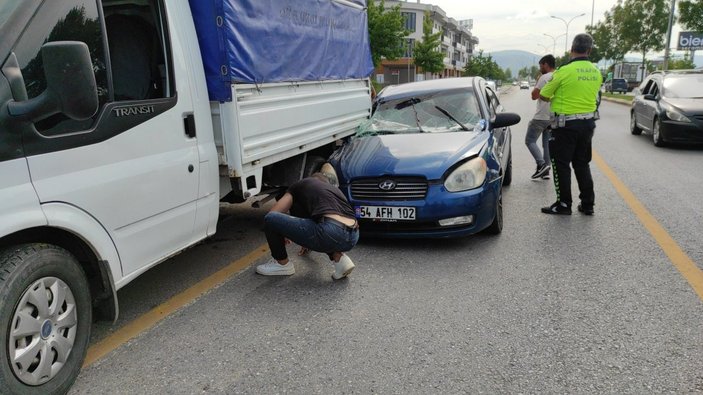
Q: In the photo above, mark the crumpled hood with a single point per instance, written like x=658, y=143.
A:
x=420, y=154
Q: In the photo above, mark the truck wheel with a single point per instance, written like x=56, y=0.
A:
x=313, y=164
x=45, y=319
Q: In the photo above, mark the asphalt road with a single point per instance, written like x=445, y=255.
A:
x=554, y=304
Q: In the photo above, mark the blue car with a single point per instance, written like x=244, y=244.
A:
x=430, y=162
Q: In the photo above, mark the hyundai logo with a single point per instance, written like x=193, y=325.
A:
x=387, y=185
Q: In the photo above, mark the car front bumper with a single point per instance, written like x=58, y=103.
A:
x=680, y=132
x=437, y=205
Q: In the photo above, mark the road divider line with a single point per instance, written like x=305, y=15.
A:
x=152, y=317
x=685, y=265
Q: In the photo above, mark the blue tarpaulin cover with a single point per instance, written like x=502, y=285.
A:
x=261, y=41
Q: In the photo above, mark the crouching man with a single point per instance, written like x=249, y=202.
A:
x=321, y=219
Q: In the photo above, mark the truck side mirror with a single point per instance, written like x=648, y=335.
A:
x=70, y=85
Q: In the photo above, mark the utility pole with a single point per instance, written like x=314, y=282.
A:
x=668, y=35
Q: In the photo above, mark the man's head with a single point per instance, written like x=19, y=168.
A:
x=582, y=45
x=547, y=64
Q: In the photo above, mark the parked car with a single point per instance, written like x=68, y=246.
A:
x=616, y=85
x=524, y=85
x=430, y=162
x=669, y=106
x=492, y=85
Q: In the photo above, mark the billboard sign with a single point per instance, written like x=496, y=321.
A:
x=691, y=41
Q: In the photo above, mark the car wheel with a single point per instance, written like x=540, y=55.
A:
x=497, y=225
x=508, y=175
x=45, y=318
x=657, y=137
x=633, y=125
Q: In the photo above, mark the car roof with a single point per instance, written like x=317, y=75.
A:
x=426, y=87
x=677, y=72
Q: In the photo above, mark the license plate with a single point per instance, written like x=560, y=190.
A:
x=382, y=212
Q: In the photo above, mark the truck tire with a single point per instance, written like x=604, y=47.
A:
x=313, y=164
x=45, y=319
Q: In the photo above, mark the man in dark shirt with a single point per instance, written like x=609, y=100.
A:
x=320, y=219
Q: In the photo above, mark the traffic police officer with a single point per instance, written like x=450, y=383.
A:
x=572, y=94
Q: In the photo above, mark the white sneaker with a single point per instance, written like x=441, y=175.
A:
x=273, y=268
x=343, y=267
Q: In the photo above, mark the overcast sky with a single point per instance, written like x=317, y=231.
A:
x=522, y=24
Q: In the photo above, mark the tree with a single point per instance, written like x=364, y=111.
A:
x=682, y=64
x=606, y=41
x=508, y=74
x=483, y=66
x=386, y=32
x=427, y=54
x=691, y=14
x=642, y=25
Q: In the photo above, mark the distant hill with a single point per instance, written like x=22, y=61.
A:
x=514, y=59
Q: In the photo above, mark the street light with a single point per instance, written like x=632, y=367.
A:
x=554, y=41
x=566, y=40
x=546, y=48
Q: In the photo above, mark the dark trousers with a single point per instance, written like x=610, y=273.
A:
x=326, y=236
x=571, y=145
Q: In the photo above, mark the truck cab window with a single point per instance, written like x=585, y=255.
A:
x=138, y=53
x=75, y=20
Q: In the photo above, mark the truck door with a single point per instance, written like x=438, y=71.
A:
x=134, y=164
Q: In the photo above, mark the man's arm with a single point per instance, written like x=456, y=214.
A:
x=535, y=94
x=284, y=204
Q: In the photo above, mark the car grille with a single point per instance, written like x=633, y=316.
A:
x=406, y=188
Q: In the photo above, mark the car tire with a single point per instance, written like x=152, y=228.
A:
x=633, y=125
x=508, y=175
x=496, y=226
x=45, y=296
x=657, y=136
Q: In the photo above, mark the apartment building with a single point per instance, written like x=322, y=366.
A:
x=457, y=44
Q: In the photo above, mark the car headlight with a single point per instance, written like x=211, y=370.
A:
x=470, y=175
x=674, y=115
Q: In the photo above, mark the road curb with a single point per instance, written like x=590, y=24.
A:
x=613, y=100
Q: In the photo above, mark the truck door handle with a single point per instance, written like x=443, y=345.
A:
x=189, y=125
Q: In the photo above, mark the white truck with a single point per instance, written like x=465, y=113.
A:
x=124, y=123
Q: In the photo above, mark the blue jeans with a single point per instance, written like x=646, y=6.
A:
x=534, y=129
x=326, y=236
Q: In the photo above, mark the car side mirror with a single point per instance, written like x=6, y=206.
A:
x=70, y=85
x=650, y=97
x=504, y=119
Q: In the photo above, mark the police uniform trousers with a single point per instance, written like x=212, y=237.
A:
x=571, y=145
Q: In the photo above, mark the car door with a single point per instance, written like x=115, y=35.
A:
x=639, y=104
x=649, y=107
x=500, y=134
x=134, y=165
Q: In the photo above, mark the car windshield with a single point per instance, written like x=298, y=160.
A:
x=684, y=86
x=426, y=113
x=6, y=10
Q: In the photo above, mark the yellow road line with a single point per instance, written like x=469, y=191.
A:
x=162, y=311
x=688, y=269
